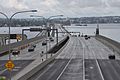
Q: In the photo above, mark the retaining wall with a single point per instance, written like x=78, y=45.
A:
x=114, y=45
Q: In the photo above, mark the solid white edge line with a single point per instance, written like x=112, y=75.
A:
x=83, y=64
x=100, y=70
x=83, y=47
x=63, y=69
x=37, y=78
x=98, y=66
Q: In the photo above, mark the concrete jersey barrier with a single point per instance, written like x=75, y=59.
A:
x=38, y=66
x=109, y=42
x=20, y=43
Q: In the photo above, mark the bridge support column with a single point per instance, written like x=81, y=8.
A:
x=53, y=31
x=97, y=30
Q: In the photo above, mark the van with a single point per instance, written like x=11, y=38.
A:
x=15, y=51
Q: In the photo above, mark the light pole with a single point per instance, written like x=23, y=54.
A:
x=10, y=20
x=47, y=26
x=47, y=23
x=7, y=19
x=9, y=25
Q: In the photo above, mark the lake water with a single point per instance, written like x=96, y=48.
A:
x=18, y=30
x=109, y=30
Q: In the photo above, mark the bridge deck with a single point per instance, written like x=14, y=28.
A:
x=80, y=60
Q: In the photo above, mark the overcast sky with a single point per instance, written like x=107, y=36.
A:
x=69, y=8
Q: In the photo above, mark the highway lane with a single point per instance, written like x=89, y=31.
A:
x=79, y=59
x=24, y=54
x=97, y=64
x=110, y=69
x=100, y=50
x=86, y=61
x=70, y=70
x=74, y=49
x=51, y=71
x=73, y=71
x=24, y=59
x=21, y=43
x=91, y=70
x=54, y=69
x=38, y=50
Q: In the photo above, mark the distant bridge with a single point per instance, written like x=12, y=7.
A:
x=70, y=32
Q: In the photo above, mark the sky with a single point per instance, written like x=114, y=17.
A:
x=68, y=8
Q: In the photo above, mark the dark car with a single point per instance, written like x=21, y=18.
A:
x=44, y=43
x=85, y=36
x=52, y=40
x=15, y=52
x=31, y=48
x=89, y=37
x=50, y=37
x=111, y=56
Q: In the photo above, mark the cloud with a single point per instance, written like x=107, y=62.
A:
x=17, y=4
x=70, y=8
x=114, y=3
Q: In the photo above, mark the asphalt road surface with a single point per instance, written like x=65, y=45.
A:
x=91, y=70
x=67, y=66
x=94, y=49
x=22, y=60
x=25, y=55
x=110, y=69
x=97, y=64
x=51, y=71
x=82, y=60
x=19, y=65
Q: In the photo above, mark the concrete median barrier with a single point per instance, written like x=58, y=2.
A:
x=35, y=66
x=20, y=44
